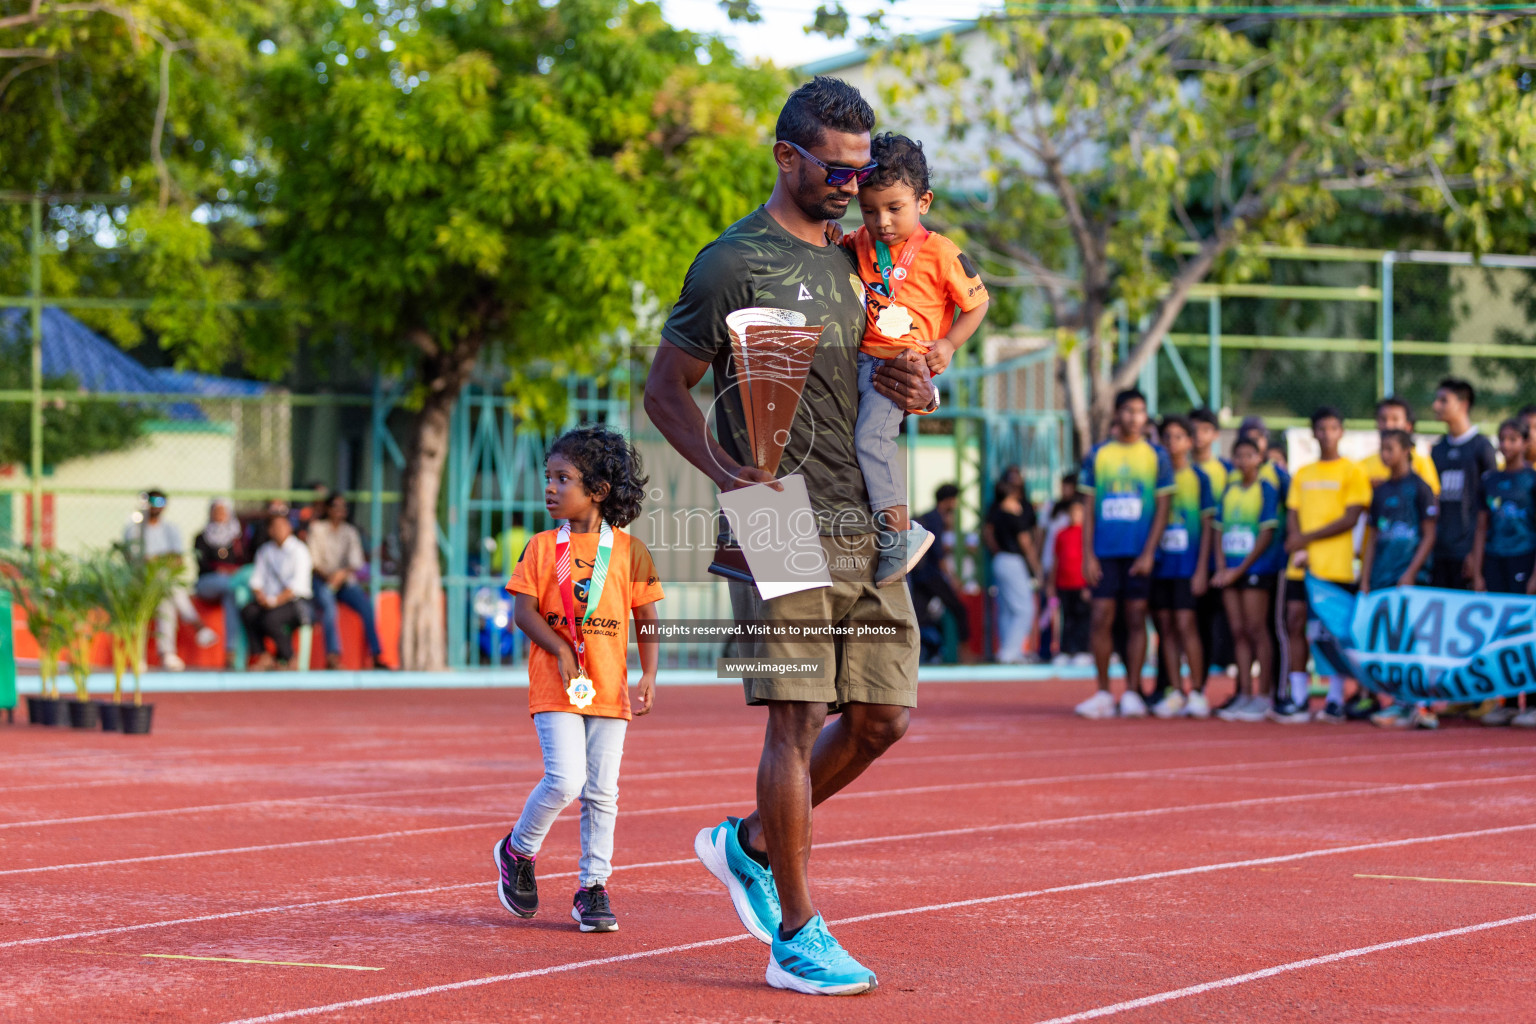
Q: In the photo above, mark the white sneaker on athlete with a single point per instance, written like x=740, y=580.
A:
x=173, y=663
x=1100, y=705
x=1171, y=706
x=1252, y=708
x=1196, y=706
x=1525, y=719
x=1082, y=660
x=1501, y=715
x=1132, y=706
x=1062, y=659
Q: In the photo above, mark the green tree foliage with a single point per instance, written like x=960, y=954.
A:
x=71, y=430
x=143, y=100
x=503, y=180
x=1108, y=141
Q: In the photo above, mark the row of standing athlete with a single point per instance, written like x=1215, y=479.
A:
x=1219, y=550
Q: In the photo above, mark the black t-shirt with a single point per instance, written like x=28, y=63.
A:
x=1460, y=468
x=932, y=562
x=1398, y=511
x=755, y=262
x=1006, y=527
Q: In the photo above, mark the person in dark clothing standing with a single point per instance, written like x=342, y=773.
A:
x=933, y=577
x=1461, y=458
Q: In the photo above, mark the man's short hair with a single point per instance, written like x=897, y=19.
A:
x=1526, y=411
x=1460, y=388
x=1326, y=412
x=1069, y=478
x=1204, y=415
x=818, y=105
x=1128, y=396
x=1175, y=420
x=1245, y=439
x=1517, y=424
x=944, y=493
x=900, y=159
x=1394, y=402
x=1402, y=437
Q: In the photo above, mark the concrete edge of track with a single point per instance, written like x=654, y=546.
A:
x=510, y=677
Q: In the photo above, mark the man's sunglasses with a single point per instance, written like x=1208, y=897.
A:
x=839, y=176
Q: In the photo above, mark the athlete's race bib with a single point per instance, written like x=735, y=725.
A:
x=1122, y=508
x=1452, y=482
x=1237, y=543
x=1175, y=539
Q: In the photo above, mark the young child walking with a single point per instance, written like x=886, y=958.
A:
x=921, y=294
x=576, y=588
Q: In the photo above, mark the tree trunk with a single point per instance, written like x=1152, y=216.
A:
x=1074, y=383
x=423, y=633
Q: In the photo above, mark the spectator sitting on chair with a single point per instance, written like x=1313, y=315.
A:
x=151, y=535
x=337, y=550
x=220, y=551
x=281, y=588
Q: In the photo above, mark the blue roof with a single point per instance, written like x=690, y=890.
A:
x=72, y=349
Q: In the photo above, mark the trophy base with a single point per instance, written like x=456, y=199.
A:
x=731, y=563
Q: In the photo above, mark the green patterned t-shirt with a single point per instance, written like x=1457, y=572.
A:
x=755, y=262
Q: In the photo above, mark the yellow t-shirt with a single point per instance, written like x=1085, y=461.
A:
x=1217, y=471
x=1376, y=470
x=1319, y=494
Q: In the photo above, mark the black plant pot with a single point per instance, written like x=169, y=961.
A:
x=83, y=714
x=45, y=711
x=110, y=713
x=137, y=718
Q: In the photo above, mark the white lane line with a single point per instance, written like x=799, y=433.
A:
x=834, y=844
x=649, y=811
x=1295, y=965
x=1451, y=881
x=390, y=997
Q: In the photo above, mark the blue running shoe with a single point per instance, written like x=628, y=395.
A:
x=815, y=963
x=750, y=884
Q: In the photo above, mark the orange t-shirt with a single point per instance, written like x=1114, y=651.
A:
x=941, y=280
x=631, y=583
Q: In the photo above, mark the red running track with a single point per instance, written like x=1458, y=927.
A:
x=1006, y=862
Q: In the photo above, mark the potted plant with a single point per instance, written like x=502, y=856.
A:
x=119, y=584
x=81, y=616
x=138, y=591
x=34, y=583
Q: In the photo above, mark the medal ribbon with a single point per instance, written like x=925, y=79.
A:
x=909, y=251
x=594, y=586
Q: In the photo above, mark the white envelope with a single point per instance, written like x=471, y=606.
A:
x=778, y=534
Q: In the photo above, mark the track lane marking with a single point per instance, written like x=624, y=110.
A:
x=1456, y=881
x=715, y=805
x=1294, y=965
x=223, y=960
x=834, y=844
x=454, y=986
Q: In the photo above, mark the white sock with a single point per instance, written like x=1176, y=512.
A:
x=1301, y=685
x=1336, y=689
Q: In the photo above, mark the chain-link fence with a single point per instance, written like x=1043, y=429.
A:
x=1345, y=333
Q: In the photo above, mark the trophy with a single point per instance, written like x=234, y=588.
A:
x=772, y=349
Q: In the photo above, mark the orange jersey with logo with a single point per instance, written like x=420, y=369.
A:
x=941, y=280
x=631, y=583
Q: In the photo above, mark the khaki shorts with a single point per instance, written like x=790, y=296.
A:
x=861, y=672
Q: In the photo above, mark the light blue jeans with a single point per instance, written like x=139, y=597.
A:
x=874, y=441
x=581, y=759
x=1015, y=605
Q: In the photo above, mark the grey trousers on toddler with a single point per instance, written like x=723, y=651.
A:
x=874, y=440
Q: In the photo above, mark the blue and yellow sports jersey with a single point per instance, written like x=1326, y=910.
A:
x=1245, y=511
x=1217, y=469
x=1178, y=553
x=1125, y=480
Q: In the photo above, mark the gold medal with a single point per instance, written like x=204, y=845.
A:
x=894, y=321
x=581, y=691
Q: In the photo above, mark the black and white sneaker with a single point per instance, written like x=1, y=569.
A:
x=591, y=910
x=515, y=884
